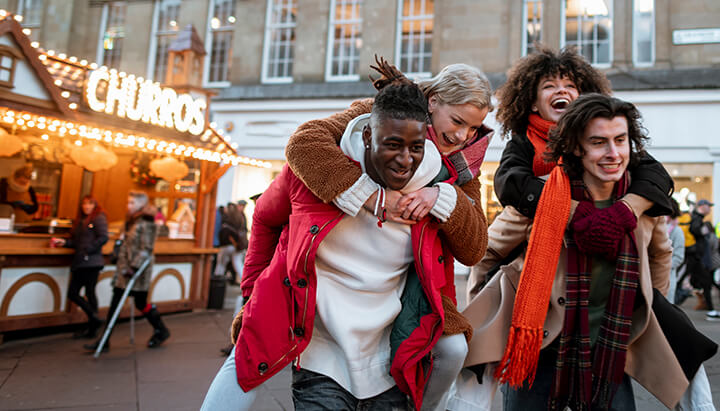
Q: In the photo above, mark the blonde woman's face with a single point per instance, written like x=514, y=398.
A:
x=454, y=124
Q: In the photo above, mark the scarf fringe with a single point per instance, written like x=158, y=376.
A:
x=521, y=356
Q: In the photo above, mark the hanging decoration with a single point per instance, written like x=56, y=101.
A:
x=169, y=168
x=140, y=171
x=10, y=144
x=93, y=157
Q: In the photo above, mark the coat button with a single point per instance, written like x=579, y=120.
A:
x=302, y=283
x=314, y=229
x=561, y=301
x=299, y=331
x=545, y=333
x=441, y=259
x=286, y=281
x=262, y=367
x=531, y=197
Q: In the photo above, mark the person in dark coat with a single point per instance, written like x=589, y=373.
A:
x=698, y=256
x=89, y=234
x=17, y=192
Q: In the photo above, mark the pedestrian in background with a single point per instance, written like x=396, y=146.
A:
x=699, y=259
x=238, y=259
x=677, y=239
x=138, y=242
x=89, y=234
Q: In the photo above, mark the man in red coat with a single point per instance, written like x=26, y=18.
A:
x=340, y=280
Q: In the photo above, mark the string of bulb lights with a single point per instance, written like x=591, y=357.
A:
x=68, y=129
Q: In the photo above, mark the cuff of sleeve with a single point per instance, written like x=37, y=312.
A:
x=351, y=200
x=445, y=203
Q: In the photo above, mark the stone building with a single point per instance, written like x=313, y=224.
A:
x=278, y=63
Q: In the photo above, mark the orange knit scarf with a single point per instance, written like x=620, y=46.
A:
x=537, y=132
x=533, y=295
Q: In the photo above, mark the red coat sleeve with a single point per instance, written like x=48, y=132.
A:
x=272, y=213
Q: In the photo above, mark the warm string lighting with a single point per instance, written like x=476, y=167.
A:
x=63, y=129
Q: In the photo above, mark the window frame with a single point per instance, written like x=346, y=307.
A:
x=266, y=44
x=329, y=76
x=398, y=37
x=155, y=34
x=21, y=10
x=105, y=15
x=653, y=36
x=7, y=51
x=209, y=48
x=524, y=50
x=611, y=17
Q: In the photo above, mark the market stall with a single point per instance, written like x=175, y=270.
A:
x=86, y=129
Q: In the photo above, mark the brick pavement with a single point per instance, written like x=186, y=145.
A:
x=52, y=372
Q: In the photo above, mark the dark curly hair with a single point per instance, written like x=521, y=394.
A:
x=519, y=92
x=564, y=140
x=400, y=101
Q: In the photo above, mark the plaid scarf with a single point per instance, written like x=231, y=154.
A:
x=584, y=380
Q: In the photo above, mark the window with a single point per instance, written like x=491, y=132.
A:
x=165, y=28
x=415, y=28
x=278, y=51
x=220, y=36
x=344, y=40
x=644, y=32
x=113, y=33
x=32, y=12
x=8, y=57
x=532, y=22
x=588, y=25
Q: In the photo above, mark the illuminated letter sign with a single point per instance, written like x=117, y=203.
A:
x=145, y=101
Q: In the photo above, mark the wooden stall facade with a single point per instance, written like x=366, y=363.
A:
x=55, y=104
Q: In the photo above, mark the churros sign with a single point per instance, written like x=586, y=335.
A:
x=144, y=100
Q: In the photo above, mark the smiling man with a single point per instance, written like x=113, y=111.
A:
x=597, y=328
x=327, y=288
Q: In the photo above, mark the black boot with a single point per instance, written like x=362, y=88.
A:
x=93, y=326
x=92, y=347
x=161, y=332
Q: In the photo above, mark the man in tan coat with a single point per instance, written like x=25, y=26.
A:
x=599, y=328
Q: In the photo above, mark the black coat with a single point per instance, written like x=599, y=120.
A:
x=87, y=239
x=516, y=185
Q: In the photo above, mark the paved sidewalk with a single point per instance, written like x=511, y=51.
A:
x=54, y=373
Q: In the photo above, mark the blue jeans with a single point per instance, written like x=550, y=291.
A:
x=312, y=391
x=537, y=396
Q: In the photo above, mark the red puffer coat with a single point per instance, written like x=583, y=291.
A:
x=277, y=322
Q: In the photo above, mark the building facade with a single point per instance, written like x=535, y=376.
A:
x=278, y=63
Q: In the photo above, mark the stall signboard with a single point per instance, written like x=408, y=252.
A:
x=127, y=96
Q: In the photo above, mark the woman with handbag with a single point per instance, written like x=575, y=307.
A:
x=138, y=241
x=89, y=234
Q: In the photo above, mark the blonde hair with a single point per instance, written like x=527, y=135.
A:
x=459, y=84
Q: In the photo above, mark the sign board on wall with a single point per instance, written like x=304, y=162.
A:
x=696, y=36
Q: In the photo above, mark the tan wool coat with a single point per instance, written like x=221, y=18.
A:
x=650, y=360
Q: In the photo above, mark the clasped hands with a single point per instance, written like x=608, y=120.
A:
x=406, y=208
x=599, y=231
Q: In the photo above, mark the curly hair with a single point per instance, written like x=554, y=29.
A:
x=564, y=140
x=519, y=92
x=400, y=101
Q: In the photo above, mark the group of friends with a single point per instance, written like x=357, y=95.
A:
x=349, y=274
